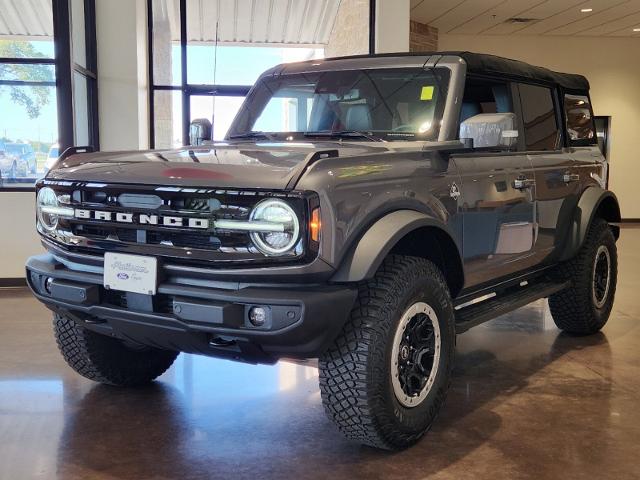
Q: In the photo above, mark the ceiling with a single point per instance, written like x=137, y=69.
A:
x=26, y=18
x=608, y=18
x=284, y=22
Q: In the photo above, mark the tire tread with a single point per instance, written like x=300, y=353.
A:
x=106, y=360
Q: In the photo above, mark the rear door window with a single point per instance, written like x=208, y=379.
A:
x=539, y=119
x=580, y=126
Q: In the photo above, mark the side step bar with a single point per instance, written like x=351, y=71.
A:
x=504, y=302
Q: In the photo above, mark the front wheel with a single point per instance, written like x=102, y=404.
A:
x=108, y=360
x=584, y=307
x=386, y=376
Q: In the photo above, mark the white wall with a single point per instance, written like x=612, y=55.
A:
x=392, y=25
x=19, y=237
x=350, y=32
x=613, y=69
x=121, y=32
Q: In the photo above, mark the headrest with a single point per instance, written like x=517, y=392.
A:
x=358, y=117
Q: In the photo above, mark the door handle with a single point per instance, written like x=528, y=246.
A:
x=570, y=177
x=522, y=183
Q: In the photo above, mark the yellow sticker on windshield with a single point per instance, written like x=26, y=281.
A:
x=427, y=93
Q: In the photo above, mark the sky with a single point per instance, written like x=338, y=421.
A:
x=14, y=121
x=234, y=66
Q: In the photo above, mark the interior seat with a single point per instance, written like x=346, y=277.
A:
x=358, y=117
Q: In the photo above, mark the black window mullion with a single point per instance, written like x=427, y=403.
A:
x=186, y=97
x=26, y=83
x=28, y=61
x=90, y=36
x=152, y=130
x=63, y=69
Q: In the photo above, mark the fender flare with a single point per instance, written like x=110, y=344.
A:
x=592, y=200
x=363, y=260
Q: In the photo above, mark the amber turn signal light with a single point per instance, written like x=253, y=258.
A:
x=314, y=225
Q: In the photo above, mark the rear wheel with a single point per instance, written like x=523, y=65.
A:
x=108, y=360
x=386, y=376
x=584, y=308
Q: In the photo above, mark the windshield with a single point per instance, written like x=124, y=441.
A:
x=379, y=104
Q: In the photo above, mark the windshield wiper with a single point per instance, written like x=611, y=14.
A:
x=252, y=134
x=345, y=134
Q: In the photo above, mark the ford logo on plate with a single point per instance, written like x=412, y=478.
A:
x=123, y=276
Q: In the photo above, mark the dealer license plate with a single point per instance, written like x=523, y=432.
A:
x=131, y=273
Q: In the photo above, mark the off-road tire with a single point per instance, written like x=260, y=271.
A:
x=574, y=309
x=108, y=360
x=355, y=372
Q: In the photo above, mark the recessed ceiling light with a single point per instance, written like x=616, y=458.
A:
x=586, y=10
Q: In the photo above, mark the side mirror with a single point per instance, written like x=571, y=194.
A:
x=490, y=129
x=509, y=138
x=200, y=131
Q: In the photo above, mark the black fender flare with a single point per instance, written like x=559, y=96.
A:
x=593, y=200
x=363, y=260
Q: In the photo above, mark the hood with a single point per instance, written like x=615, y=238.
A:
x=266, y=165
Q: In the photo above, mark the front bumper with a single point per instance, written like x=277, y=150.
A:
x=302, y=321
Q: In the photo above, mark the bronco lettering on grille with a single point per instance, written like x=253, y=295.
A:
x=143, y=219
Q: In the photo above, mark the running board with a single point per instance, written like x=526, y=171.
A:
x=504, y=302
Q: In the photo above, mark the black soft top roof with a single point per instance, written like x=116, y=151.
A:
x=484, y=63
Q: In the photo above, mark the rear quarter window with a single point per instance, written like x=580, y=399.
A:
x=579, y=118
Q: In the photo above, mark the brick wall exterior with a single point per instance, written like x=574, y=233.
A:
x=422, y=38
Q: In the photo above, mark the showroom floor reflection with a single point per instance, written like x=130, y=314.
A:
x=526, y=401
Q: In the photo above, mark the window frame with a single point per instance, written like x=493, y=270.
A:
x=63, y=84
x=187, y=90
x=512, y=85
x=557, y=115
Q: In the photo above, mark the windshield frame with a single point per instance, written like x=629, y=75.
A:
x=260, y=93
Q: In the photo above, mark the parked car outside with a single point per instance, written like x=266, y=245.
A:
x=20, y=161
x=8, y=163
x=52, y=157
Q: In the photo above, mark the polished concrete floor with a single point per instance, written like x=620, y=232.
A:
x=526, y=402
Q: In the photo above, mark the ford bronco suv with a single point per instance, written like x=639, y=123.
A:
x=361, y=211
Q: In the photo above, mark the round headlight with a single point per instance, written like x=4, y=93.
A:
x=286, y=227
x=47, y=198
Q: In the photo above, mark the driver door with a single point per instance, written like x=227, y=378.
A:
x=498, y=185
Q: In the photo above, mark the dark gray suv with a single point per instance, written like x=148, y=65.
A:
x=362, y=211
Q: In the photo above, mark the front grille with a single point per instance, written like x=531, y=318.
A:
x=161, y=239
x=150, y=237
x=161, y=303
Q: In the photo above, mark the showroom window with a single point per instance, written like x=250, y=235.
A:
x=205, y=56
x=28, y=122
x=47, y=86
